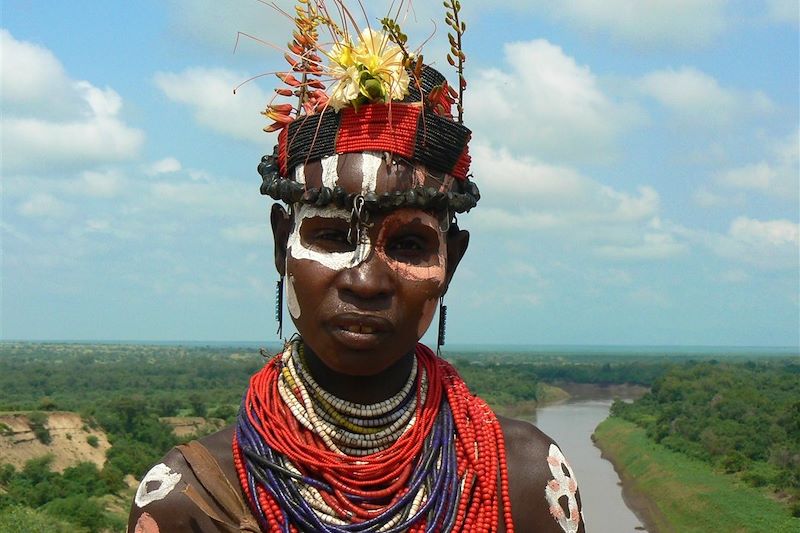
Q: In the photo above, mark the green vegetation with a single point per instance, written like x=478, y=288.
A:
x=125, y=390
x=688, y=494
x=122, y=389
x=12, y=519
x=38, y=423
x=71, y=495
x=744, y=419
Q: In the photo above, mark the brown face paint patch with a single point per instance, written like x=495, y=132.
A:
x=425, y=226
x=146, y=524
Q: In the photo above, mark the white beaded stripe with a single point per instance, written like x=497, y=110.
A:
x=359, y=409
x=341, y=436
x=335, y=438
x=356, y=409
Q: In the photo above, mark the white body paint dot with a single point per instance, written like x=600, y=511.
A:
x=156, y=485
x=563, y=484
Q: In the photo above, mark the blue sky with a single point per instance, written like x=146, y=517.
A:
x=638, y=163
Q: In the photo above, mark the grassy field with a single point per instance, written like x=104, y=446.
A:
x=687, y=495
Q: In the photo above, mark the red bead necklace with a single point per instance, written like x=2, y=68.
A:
x=363, y=487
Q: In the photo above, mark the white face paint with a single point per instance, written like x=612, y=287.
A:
x=329, y=171
x=300, y=174
x=291, y=299
x=161, y=481
x=562, y=484
x=332, y=260
x=370, y=164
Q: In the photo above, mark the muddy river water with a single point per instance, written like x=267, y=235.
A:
x=571, y=424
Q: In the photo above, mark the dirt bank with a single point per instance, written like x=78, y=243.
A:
x=600, y=391
x=70, y=440
x=187, y=426
x=644, y=509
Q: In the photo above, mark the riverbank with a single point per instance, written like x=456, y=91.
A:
x=563, y=391
x=674, y=493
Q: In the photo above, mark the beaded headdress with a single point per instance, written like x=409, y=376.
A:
x=363, y=92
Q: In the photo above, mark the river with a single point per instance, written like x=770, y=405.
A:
x=571, y=425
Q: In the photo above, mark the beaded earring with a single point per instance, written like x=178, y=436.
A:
x=442, y=326
x=279, y=306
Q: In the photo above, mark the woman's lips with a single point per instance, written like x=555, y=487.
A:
x=360, y=332
x=358, y=328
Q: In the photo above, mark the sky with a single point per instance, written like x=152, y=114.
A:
x=638, y=163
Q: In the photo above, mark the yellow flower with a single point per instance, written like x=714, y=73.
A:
x=347, y=89
x=373, y=68
x=341, y=55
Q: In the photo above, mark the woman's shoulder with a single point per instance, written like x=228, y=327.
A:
x=542, y=486
x=176, y=493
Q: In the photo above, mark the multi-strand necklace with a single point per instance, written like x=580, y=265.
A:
x=426, y=459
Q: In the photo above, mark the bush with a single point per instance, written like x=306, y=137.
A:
x=47, y=404
x=12, y=518
x=85, y=512
x=37, y=421
x=93, y=441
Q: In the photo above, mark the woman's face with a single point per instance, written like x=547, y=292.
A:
x=362, y=303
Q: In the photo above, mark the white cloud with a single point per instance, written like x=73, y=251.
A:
x=163, y=166
x=209, y=94
x=785, y=11
x=766, y=244
x=681, y=23
x=698, y=99
x=651, y=246
x=215, y=23
x=43, y=205
x=771, y=233
x=30, y=76
x=758, y=176
x=49, y=119
x=551, y=195
x=105, y=184
x=563, y=114
x=777, y=176
x=705, y=198
x=521, y=193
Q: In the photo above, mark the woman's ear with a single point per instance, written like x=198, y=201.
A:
x=281, y=226
x=457, y=243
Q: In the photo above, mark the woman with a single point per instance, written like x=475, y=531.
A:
x=355, y=426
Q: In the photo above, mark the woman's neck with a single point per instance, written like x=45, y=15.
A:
x=361, y=389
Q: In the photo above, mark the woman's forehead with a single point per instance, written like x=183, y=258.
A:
x=365, y=172
x=404, y=215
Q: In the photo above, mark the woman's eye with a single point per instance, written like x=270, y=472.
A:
x=409, y=244
x=331, y=235
x=330, y=240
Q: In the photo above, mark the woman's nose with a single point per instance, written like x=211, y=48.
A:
x=371, y=279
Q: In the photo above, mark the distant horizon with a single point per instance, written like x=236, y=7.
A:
x=448, y=347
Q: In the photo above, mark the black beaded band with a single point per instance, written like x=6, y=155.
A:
x=428, y=198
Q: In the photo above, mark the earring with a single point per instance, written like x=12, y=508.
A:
x=442, y=326
x=279, y=306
